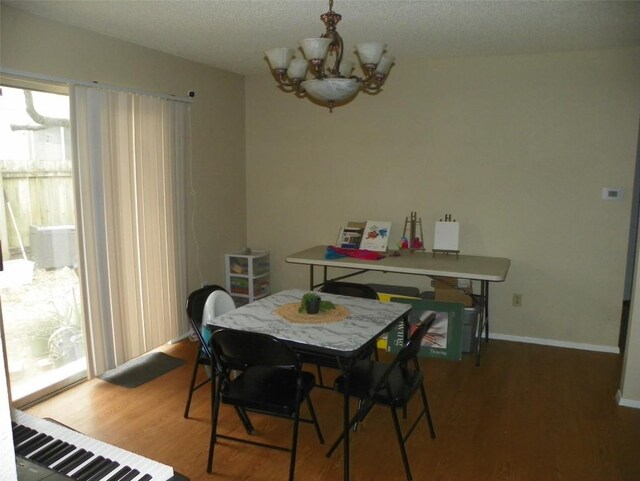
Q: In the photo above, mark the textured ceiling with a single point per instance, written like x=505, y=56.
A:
x=233, y=34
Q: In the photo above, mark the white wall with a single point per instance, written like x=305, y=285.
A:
x=516, y=148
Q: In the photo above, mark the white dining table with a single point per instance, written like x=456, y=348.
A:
x=343, y=340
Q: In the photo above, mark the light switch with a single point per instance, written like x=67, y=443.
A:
x=610, y=193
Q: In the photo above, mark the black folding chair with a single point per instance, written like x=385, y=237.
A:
x=391, y=385
x=269, y=380
x=195, y=310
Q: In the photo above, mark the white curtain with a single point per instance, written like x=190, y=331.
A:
x=130, y=155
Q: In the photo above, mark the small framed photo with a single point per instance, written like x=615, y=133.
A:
x=349, y=238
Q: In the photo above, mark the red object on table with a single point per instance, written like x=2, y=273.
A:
x=333, y=252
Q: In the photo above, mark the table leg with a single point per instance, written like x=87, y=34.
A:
x=345, y=369
x=486, y=309
x=345, y=427
x=311, y=277
x=484, y=319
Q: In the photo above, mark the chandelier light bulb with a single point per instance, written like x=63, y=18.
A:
x=346, y=67
x=279, y=57
x=370, y=52
x=315, y=48
x=297, y=69
x=385, y=64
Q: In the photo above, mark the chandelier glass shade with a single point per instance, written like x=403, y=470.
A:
x=322, y=74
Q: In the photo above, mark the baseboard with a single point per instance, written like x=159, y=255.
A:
x=629, y=403
x=182, y=337
x=556, y=343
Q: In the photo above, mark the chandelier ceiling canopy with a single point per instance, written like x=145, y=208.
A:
x=331, y=80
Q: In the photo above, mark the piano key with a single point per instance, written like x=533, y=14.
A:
x=36, y=447
x=57, y=454
x=25, y=441
x=118, y=475
x=73, y=461
x=106, y=469
x=42, y=452
x=15, y=426
x=89, y=468
x=24, y=434
x=98, y=448
x=102, y=471
x=90, y=448
x=18, y=429
x=32, y=444
x=62, y=456
x=131, y=475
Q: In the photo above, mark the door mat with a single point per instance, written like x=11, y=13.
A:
x=142, y=369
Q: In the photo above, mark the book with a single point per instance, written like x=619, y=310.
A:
x=375, y=236
x=349, y=237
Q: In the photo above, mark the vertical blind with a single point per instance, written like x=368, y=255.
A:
x=131, y=151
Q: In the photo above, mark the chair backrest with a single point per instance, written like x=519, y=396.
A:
x=217, y=304
x=196, y=302
x=408, y=352
x=412, y=345
x=232, y=349
x=351, y=289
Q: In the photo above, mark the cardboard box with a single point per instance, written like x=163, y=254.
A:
x=449, y=289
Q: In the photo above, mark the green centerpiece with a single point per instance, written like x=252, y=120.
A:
x=312, y=304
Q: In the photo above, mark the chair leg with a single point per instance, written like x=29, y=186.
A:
x=403, y=452
x=338, y=441
x=355, y=425
x=427, y=411
x=319, y=370
x=193, y=382
x=364, y=408
x=215, y=409
x=244, y=419
x=294, y=444
x=312, y=413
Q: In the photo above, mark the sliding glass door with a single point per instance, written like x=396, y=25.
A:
x=40, y=293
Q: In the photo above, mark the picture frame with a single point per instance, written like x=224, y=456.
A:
x=349, y=237
x=375, y=236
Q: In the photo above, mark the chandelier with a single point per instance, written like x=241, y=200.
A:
x=331, y=80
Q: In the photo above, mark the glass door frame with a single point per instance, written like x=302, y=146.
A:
x=55, y=383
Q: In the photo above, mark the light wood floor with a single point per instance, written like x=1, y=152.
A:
x=529, y=413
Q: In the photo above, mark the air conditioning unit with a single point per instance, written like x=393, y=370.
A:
x=54, y=246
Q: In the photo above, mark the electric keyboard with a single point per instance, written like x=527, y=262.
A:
x=50, y=451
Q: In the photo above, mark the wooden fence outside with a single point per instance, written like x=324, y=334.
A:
x=33, y=198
